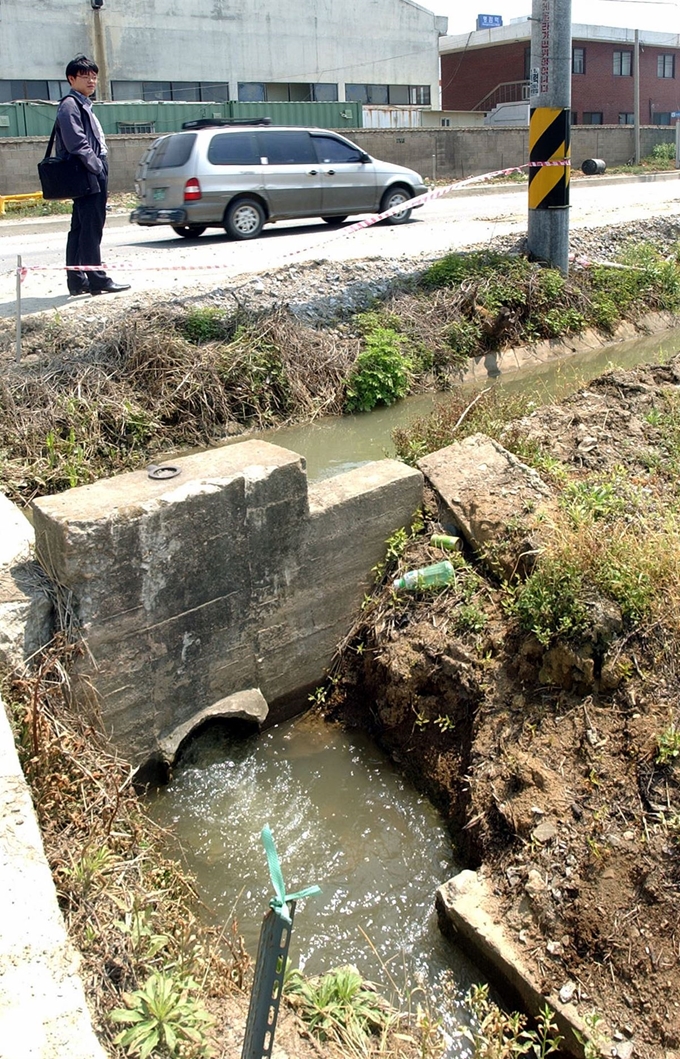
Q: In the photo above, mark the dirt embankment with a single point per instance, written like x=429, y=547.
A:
x=545, y=759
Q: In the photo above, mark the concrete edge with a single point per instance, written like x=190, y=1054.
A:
x=43, y=1010
x=466, y=911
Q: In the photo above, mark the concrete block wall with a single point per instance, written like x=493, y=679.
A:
x=233, y=575
x=444, y=154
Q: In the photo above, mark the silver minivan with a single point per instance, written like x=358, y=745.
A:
x=242, y=177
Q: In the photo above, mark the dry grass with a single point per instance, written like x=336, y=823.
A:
x=129, y=910
x=82, y=408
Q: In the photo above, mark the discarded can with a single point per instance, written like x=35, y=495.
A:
x=449, y=542
x=435, y=576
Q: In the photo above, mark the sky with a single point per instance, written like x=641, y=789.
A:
x=663, y=16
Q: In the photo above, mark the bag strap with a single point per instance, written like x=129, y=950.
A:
x=50, y=145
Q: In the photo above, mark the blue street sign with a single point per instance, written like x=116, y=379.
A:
x=489, y=21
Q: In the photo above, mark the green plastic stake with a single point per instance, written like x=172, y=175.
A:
x=272, y=953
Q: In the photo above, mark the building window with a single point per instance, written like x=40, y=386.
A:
x=592, y=117
x=325, y=92
x=10, y=90
x=214, y=92
x=420, y=95
x=661, y=117
x=626, y=117
x=578, y=60
x=623, y=64
x=392, y=95
x=446, y=122
x=251, y=92
x=665, y=66
x=574, y=117
x=527, y=64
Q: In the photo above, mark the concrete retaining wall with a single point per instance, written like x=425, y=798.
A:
x=447, y=154
x=231, y=576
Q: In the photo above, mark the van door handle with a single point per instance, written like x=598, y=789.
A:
x=313, y=172
x=330, y=172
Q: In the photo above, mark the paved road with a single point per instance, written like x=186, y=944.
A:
x=155, y=259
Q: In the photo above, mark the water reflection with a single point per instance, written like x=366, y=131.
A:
x=342, y=818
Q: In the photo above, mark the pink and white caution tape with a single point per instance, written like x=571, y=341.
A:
x=366, y=222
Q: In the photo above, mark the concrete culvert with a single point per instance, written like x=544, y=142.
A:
x=593, y=166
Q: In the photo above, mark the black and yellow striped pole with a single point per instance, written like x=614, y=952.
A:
x=549, y=133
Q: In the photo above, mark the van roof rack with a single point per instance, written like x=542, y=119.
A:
x=210, y=123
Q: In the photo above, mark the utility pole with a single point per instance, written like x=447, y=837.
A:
x=636, y=95
x=103, y=84
x=549, y=132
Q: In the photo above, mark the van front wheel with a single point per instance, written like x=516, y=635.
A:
x=244, y=219
x=395, y=197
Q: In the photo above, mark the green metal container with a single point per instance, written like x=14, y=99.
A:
x=135, y=117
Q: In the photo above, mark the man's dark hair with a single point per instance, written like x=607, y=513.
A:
x=81, y=65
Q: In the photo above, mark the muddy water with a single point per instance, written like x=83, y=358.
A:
x=341, y=443
x=341, y=818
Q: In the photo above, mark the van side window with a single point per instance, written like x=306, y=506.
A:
x=234, y=148
x=286, y=148
x=173, y=151
x=329, y=149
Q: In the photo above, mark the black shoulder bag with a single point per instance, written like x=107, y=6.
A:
x=64, y=178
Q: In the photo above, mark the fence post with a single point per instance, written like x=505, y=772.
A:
x=18, y=335
x=270, y=966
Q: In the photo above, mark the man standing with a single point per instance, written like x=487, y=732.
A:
x=79, y=133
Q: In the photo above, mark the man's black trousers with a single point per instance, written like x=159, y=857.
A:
x=83, y=246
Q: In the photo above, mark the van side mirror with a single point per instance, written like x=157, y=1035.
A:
x=363, y=157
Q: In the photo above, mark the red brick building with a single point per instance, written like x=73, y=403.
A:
x=484, y=68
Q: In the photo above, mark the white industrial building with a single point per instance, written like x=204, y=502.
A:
x=379, y=52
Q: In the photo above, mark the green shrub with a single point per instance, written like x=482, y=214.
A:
x=203, y=324
x=550, y=603
x=663, y=152
x=381, y=374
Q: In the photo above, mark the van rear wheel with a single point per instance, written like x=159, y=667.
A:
x=395, y=197
x=188, y=231
x=244, y=219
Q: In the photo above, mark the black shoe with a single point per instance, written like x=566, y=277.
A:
x=77, y=292
x=110, y=288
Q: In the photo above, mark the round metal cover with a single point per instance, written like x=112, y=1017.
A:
x=163, y=472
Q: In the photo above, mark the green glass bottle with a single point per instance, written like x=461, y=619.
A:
x=435, y=576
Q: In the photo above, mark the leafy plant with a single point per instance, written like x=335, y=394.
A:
x=663, y=152
x=338, y=1006
x=469, y=617
x=550, y=603
x=165, y=1019
x=497, y=1034
x=669, y=745
x=203, y=324
x=381, y=372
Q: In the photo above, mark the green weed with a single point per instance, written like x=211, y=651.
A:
x=550, y=603
x=669, y=746
x=338, y=1006
x=203, y=324
x=381, y=373
x=164, y=1019
x=497, y=1034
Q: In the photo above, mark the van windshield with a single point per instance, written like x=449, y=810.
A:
x=173, y=151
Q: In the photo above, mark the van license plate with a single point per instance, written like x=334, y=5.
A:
x=159, y=194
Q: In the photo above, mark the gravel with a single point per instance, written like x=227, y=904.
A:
x=324, y=292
